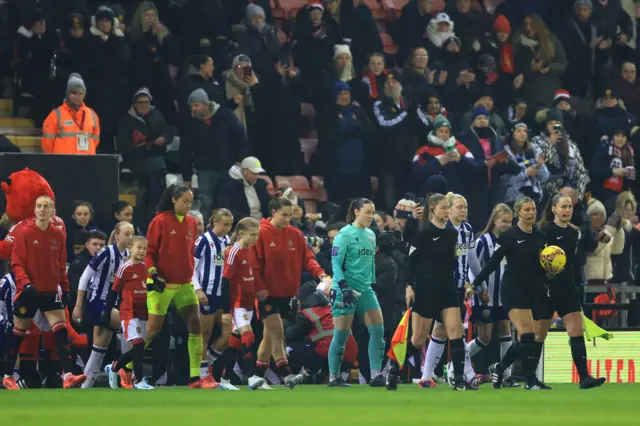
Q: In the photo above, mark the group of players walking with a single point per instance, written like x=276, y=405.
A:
x=215, y=280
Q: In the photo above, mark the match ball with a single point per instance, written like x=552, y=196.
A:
x=553, y=259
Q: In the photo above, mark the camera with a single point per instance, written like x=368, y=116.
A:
x=316, y=242
x=392, y=240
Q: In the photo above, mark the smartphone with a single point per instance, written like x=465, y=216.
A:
x=557, y=128
x=247, y=70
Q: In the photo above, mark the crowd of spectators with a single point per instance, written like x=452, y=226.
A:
x=556, y=91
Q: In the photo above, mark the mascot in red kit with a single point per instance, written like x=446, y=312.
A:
x=21, y=190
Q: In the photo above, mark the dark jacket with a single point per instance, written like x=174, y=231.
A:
x=483, y=189
x=609, y=119
x=397, y=131
x=409, y=30
x=261, y=47
x=315, y=53
x=76, y=268
x=575, y=37
x=358, y=25
x=416, y=85
x=213, y=144
x=151, y=60
x=390, y=291
x=609, y=17
x=135, y=137
x=72, y=231
x=630, y=95
x=232, y=197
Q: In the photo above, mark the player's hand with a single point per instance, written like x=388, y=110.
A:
x=226, y=319
x=202, y=297
x=348, y=296
x=76, y=315
x=409, y=296
x=158, y=282
x=262, y=295
x=484, y=297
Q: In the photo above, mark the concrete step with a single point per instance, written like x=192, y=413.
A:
x=27, y=143
x=16, y=123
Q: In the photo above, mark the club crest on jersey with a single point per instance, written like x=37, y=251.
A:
x=245, y=317
x=267, y=308
x=138, y=330
x=334, y=251
x=22, y=310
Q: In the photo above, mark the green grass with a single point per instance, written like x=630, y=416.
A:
x=565, y=405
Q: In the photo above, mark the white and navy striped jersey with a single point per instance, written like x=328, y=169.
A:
x=485, y=247
x=103, y=267
x=7, y=293
x=464, y=244
x=209, y=263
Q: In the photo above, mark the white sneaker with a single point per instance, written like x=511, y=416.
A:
x=291, y=381
x=226, y=385
x=256, y=382
x=143, y=385
x=112, y=375
x=265, y=386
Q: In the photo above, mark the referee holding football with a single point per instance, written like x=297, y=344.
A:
x=521, y=286
x=560, y=293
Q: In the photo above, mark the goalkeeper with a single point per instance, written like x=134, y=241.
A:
x=353, y=261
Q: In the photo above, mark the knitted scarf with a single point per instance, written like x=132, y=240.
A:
x=235, y=86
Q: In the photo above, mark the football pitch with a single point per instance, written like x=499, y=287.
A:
x=613, y=404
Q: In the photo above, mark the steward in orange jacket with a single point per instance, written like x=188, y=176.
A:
x=73, y=127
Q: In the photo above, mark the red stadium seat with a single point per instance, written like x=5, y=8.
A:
x=267, y=179
x=387, y=42
x=317, y=186
x=308, y=147
x=292, y=6
x=299, y=184
x=378, y=11
x=278, y=12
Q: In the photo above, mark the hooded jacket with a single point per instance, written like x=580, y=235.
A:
x=232, y=195
x=283, y=254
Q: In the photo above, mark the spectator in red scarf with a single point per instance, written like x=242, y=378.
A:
x=426, y=113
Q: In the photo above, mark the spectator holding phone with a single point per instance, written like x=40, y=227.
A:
x=531, y=172
x=562, y=157
x=241, y=80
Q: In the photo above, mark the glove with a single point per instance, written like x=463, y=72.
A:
x=65, y=299
x=348, y=298
x=157, y=284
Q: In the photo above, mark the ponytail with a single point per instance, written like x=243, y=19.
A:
x=217, y=216
x=432, y=202
x=172, y=191
x=498, y=211
x=356, y=204
x=278, y=202
x=243, y=225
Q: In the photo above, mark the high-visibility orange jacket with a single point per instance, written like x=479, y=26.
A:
x=67, y=131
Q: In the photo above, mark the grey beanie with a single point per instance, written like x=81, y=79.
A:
x=75, y=80
x=254, y=10
x=587, y=3
x=198, y=95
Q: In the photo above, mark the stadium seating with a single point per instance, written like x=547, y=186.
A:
x=267, y=179
x=317, y=186
x=291, y=7
x=299, y=184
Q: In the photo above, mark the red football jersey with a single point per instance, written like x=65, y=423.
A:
x=239, y=265
x=131, y=283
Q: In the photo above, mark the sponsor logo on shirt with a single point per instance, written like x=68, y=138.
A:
x=334, y=251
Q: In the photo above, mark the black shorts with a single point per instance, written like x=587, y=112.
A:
x=274, y=305
x=519, y=296
x=430, y=302
x=482, y=314
x=25, y=309
x=561, y=299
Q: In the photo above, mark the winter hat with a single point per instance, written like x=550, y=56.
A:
x=554, y=115
x=143, y=91
x=316, y=4
x=254, y=10
x=596, y=206
x=483, y=91
x=517, y=125
x=339, y=49
x=478, y=111
x=442, y=17
x=440, y=121
x=608, y=92
x=561, y=95
x=75, y=80
x=587, y=3
x=198, y=95
x=502, y=25
x=341, y=86
x=76, y=21
x=452, y=39
x=238, y=59
x=436, y=184
x=488, y=62
x=118, y=11
x=404, y=209
x=104, y=13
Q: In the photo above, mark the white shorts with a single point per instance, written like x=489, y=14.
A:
x=134, y=329
x=241, y=317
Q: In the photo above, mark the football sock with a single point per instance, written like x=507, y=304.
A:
x=336, y=352
x=261, y=368
x=248, y=361
x=230, y=356
x=125, y=361
x=469, y=372
x=92, y=368
x=537, y=353
x=62, y=346
x=376, y=349
x=12, y=350
x=194, y=343
x=138, y=358
x=282, y=367
x=435, y=349
x=513, y=353
x=528, y=356
x=457, y=357
x=204, y=369
x=579, y=355
x=475, y=346
x=505, y=344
